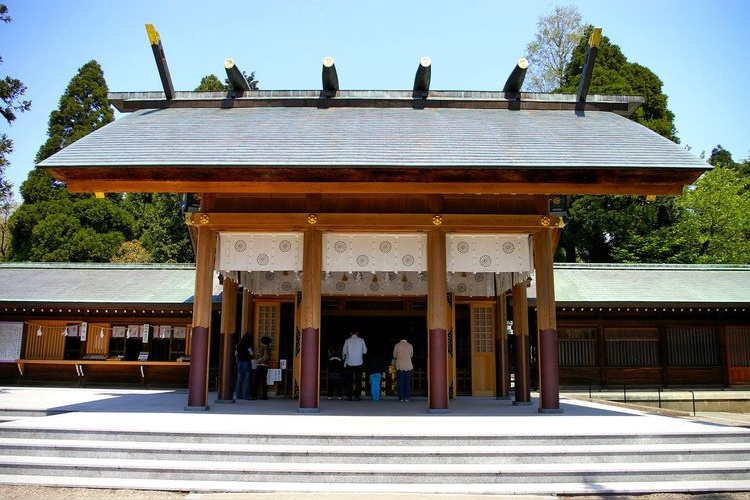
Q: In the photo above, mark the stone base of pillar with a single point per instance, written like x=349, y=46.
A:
x=308, y=410
x=550, y=410
x=522, y=403
x=224, y=401
x=437, y=411
x=197, y=408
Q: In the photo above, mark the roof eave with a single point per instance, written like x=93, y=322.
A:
x=224, y=179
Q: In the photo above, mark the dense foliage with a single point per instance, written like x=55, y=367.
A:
x=54, y=225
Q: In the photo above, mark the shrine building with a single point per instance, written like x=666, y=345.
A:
x=313, y=204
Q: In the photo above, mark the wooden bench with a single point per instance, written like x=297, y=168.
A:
x=84, y=371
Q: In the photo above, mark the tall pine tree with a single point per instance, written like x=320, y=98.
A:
x=51, y=224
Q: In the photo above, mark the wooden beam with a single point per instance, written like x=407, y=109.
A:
x=330, y=77
x=658, y=184
x=422, y=78
x=133, y=101
x=588, y=67
x=161, y=61
x=371, y=222
x=515, y=80
x=236, y=79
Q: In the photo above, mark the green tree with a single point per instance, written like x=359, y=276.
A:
x=613, y=74
x=715, y=228
x=51, y=224
x=211, y=83
x=131, y=252
x=720, y=157
x=620, y=228
x=161, y=228
x=83, y=108
x=7, y=207
x=557, y=36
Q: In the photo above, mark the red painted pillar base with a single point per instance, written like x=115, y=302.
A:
x=198, y=375
x=309, y=371
x=438, y=382
x=549, y=372
x=523, y=370
x=226, y=363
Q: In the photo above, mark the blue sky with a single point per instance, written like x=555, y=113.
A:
x=699, y=49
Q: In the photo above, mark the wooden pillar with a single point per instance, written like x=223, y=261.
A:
x=309, y=393
x=246, y=324
x=549, y=389
x=522, y=345
x=437, y=322
x=228, y=330
x=502, y=359
x=202, y=305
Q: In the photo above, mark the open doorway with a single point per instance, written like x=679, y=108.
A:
x=381, y=325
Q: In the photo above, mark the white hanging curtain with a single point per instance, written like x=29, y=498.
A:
x=374, y=252
x=259, y=251
x=488, y=253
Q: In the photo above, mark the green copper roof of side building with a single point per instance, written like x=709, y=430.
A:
x=575, y=284
x=85, y=283
x=651, y=284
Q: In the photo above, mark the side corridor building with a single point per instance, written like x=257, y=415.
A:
x=105, y=324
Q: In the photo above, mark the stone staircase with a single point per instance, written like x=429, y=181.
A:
x=461, y=463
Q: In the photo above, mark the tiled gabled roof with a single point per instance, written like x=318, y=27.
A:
x=374, y=137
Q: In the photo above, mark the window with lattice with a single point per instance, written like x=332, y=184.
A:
x=483, y=327
x=267, y=321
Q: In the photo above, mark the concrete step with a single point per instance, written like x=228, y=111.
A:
x=376, y=453
x=486, y=473
x=714, y=460
x=573, y=488
x=342, y=438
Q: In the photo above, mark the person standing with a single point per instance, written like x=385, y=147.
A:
x=375, y=367
x=403, y=352
x=243, y=353
x=261, y=372
x=353, y=352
